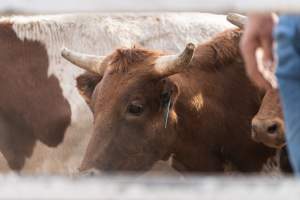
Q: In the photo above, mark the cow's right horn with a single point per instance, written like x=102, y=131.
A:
x=88, y=62
x=172, y=64
x=237, y=19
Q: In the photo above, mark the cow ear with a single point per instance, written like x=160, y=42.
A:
x=220, y=51
x=226, y=49
x=86, y=84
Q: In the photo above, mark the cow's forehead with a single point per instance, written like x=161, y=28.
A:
x=124, y=60
x=127, y=81
x=116, y=90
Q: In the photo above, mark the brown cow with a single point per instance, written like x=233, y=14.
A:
x=148, y=106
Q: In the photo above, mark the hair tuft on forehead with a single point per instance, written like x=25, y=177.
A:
x=123, y=58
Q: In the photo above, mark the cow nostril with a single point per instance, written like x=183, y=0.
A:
x=272, y=129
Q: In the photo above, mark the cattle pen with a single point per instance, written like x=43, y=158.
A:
x=170, y=20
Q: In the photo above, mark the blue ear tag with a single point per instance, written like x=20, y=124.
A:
x=166, y=113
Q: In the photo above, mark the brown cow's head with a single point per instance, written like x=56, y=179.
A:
x=268, y=123
x=131, y=100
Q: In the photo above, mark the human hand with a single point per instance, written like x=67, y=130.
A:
x=258, y=34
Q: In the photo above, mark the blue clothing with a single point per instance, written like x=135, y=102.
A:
x=287, y=36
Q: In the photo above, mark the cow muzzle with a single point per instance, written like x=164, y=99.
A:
x=268, y=132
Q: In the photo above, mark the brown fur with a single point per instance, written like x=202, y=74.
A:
x=32, y=106
x=212, y=101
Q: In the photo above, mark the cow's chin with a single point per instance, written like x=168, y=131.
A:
x=132, y=165
x=275, y=140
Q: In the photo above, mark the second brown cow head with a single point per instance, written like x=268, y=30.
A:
x=268, y=123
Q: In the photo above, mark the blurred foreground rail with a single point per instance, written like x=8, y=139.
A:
x=56, y=6
x=132, y=187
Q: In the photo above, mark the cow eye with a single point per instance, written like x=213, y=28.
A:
x=135, y=109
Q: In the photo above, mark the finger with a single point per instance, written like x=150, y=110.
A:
x=264, y=72
x=268, y=56
x=248, y=49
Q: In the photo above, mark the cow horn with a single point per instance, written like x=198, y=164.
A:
x=88, y=62
x=172, y=64
x=237, y=19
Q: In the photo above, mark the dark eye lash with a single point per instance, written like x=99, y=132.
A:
x=135, y=109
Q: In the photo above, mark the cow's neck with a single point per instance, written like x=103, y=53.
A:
x=213, y=123
x=191, y=120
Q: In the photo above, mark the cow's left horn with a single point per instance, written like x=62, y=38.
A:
x=172, y=64
x=88, y=62
x=237, y=19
